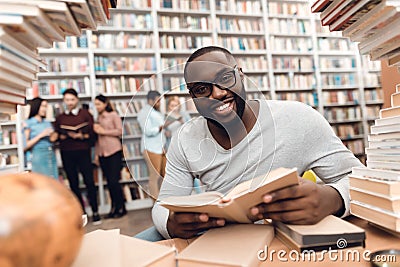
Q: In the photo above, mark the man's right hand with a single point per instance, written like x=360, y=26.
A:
x=187, y=225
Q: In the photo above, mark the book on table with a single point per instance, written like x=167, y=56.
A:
x=242, y=197
x=381, y=129
x=388, y=121
x=385, y=165
x=370, y=197
x=377, y=185
x=234, y=245
x=385, y=218
x=323, y=235
x=384, y=136
x=376, y=173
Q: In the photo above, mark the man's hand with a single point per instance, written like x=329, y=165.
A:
x=187, y=225
x=75, y=135
x=306, y=203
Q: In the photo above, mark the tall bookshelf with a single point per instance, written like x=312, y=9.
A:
x=280, y=45
x=11, y=154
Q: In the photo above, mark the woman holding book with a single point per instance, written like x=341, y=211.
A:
x=37, y=143
x=109, y=152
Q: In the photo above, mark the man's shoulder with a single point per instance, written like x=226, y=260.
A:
x=60, y=116
x=84, y=112
x=193, y=129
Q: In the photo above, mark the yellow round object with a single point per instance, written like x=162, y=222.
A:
x=310, y=175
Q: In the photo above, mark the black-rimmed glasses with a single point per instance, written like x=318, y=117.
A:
x=224, y=81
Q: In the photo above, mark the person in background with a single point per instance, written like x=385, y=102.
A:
x=151, y=121
x=74, y=130
x=36, y=132
x=175, y=116
x=109, y=152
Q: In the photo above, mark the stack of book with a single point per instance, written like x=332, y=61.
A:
x=372, y=23
x=26, y=25
x=375, y=190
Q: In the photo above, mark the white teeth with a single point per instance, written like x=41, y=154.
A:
x=220, y=108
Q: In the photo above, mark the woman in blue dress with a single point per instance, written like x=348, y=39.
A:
x=37, y=131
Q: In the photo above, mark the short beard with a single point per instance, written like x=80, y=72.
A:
x=240, y=102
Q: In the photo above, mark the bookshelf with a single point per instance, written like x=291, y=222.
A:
x=282, y=48
x=10, y=136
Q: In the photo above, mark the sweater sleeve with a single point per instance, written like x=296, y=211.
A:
x=327, y=156
x=178, y=181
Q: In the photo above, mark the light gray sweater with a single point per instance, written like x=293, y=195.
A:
x=287, y=134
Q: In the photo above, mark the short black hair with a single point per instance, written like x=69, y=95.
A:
x=71, y=91
x=152, y=95
x=209, y=49
x=206, y=50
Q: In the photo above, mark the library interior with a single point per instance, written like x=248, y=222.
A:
x=199, y=133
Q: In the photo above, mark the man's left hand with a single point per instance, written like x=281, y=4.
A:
x=306, y=203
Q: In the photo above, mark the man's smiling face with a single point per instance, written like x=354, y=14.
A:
x=215, y=83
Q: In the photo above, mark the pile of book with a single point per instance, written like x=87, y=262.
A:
x=374, y=24
x=26, y=25
x=375, y=190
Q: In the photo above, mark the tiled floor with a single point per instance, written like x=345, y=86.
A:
x=131, y=224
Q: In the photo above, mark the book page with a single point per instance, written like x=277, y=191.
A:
x=202, y=199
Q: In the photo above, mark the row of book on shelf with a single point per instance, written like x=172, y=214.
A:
x=113, y=64
x=122, y=40
x=8, y=136
x=123, y=84
x=183, y=22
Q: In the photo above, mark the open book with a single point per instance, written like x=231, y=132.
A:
x=242, y=198
x=75, y=128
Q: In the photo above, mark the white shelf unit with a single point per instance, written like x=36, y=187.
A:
x=285, y=57
x=11, y=137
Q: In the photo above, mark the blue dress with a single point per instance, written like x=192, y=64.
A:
x=42, y=153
